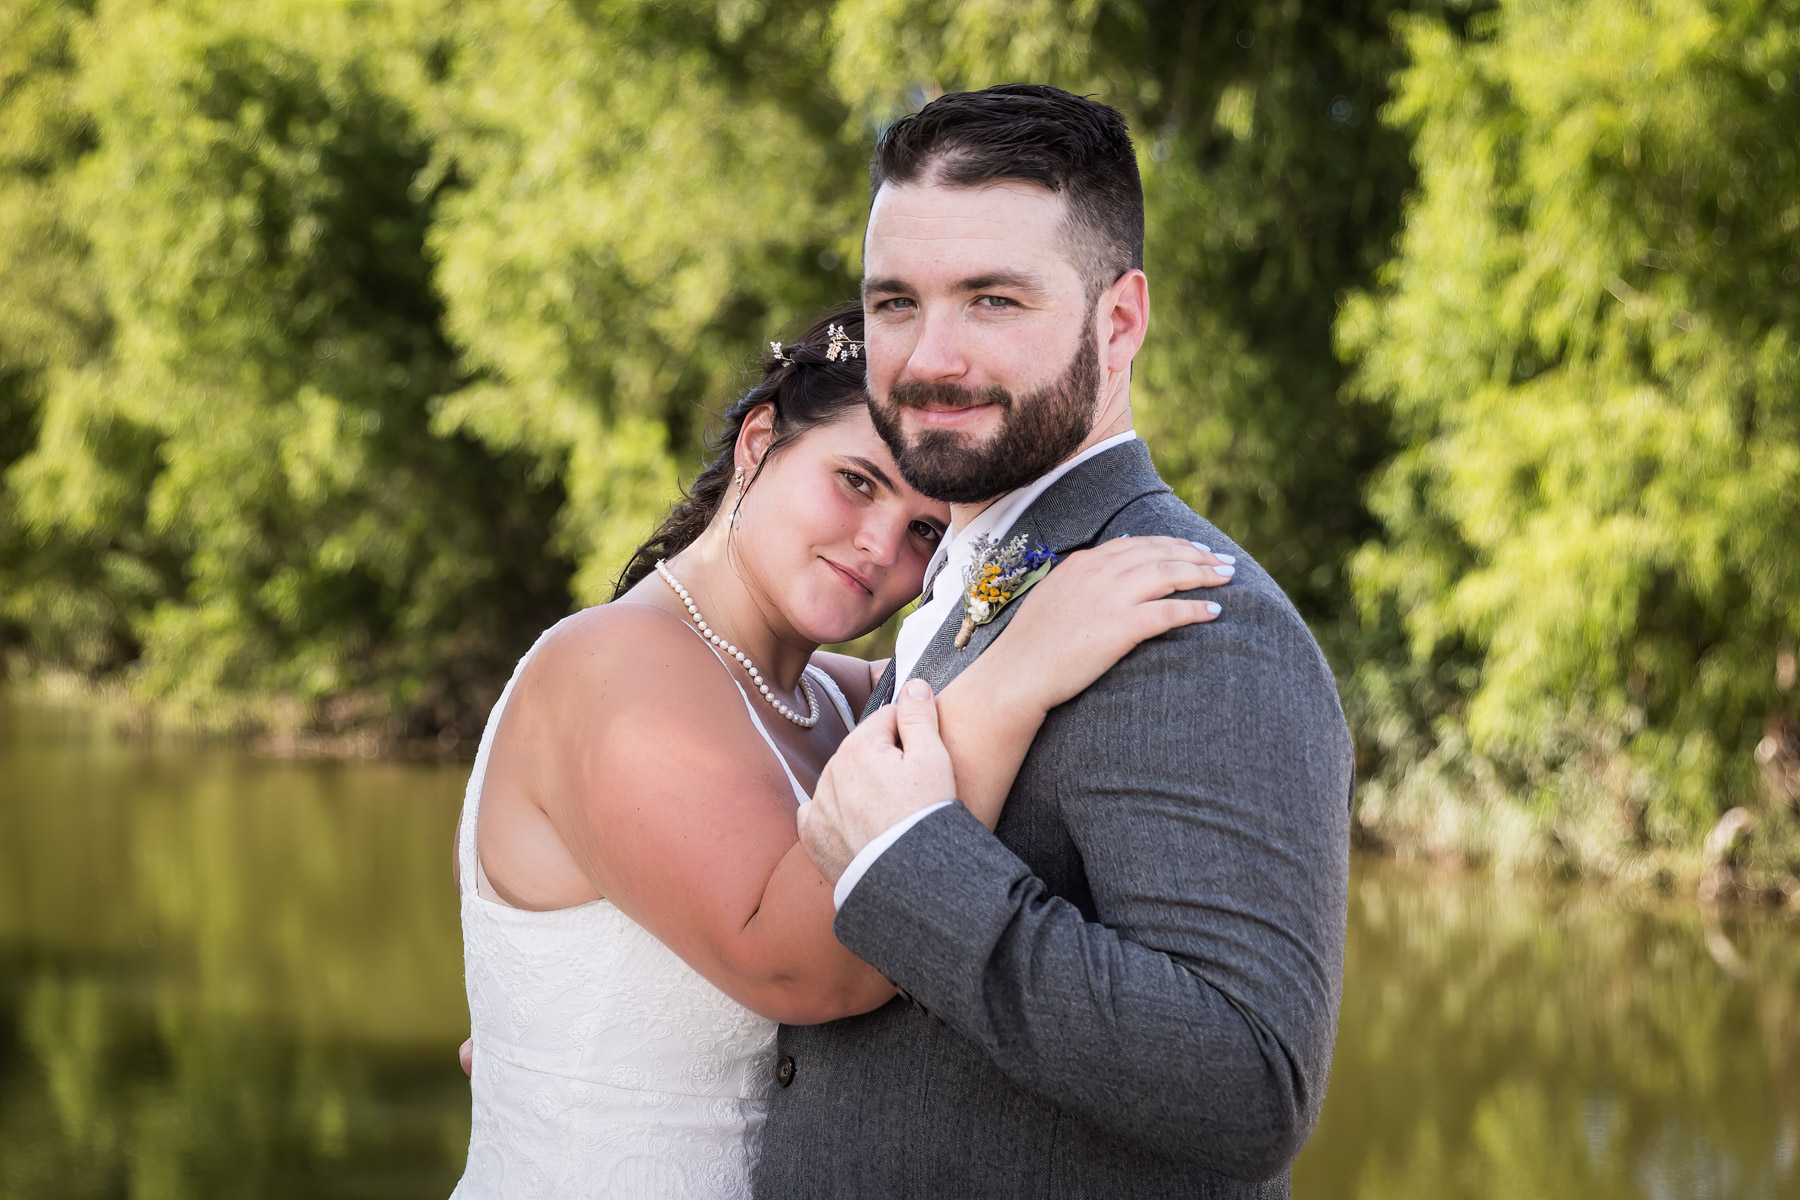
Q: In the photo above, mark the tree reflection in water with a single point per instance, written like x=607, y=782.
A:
x=1506, y=1040
x=222, y=976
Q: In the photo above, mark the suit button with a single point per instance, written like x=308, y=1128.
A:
x=785, y=1072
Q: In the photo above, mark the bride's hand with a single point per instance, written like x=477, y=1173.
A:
x=1097, y=604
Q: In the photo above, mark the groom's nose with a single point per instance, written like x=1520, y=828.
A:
x=937, y=356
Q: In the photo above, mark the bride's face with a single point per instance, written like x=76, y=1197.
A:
x=831, y=534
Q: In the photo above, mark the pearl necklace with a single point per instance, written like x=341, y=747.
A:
x=812, y=701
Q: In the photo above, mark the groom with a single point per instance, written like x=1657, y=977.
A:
x=1130, y=988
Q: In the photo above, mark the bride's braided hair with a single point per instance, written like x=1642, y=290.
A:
x=811, y=382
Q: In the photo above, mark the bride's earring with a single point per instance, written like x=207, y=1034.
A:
x=737, y=477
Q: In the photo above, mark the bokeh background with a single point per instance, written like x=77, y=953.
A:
x=346, y=344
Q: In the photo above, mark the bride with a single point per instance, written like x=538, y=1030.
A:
x=637, y=915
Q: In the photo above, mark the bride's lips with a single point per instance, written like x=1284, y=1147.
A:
x=851, y=578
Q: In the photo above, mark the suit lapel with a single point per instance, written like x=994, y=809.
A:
x=884, y=690
x=1069, y=515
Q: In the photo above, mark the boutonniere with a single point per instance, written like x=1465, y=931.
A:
x=996, y=576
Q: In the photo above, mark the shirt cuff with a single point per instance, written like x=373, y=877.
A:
x=865, y=858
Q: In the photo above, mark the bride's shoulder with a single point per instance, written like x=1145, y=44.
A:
x=637, y=658
x=621, y=621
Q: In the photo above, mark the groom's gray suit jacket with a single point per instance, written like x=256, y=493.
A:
x=1130, y=989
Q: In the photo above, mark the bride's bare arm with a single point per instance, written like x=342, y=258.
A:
x=1088, y=613
x=675, y=809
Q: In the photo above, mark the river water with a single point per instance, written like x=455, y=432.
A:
x=224, y=976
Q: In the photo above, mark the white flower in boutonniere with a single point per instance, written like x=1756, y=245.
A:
x=996, y=576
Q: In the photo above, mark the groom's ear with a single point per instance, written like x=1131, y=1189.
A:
x=1124, y=313
x=755, y=437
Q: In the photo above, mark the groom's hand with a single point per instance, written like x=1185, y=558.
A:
x=891, y=766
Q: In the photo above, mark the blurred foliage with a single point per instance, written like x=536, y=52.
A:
x=345, y=346
x=257, y=521
x=407, y=317
x=1589, y=342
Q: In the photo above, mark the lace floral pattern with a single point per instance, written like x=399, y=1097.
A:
x=604, y=1065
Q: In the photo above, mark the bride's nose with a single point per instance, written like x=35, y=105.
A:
x=881, y=537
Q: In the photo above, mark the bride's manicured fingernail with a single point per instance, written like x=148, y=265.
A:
x=1212, y=608
x=1225, y=558
x=1227, y=572
x=1201, y=547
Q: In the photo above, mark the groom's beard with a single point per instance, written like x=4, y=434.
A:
x=1036, y=432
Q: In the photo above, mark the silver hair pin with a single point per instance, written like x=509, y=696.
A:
x=840, y=345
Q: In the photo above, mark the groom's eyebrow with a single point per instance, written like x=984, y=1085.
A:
x=1016, y=281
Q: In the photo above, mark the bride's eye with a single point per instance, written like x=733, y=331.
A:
x=857, y=482
x=926, y=531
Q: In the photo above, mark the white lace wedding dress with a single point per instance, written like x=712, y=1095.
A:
x=604, y=1065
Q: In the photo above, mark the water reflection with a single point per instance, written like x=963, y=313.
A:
x=1500, y=1040
x=221, y=976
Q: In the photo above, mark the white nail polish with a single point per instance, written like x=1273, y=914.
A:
x=1226, y=558
x=1201, y=547
x=1227, y=572
x=1212, y=608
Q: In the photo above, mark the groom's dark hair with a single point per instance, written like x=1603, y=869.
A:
x=1076, y=147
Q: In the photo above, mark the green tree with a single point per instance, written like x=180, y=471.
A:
x=63, y=600
x=1589, y=343
x=648, y=191
x=385, y=293
x=645, y=193
x=257, y=227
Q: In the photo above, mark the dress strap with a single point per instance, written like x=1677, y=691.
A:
x=799, y=792
x=824, y=679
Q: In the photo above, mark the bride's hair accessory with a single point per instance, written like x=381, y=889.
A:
x=996, y=576
x=840, y=345
x=812, y=701
x=838, y=348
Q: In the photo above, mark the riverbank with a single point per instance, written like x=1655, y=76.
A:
x=1442, y=806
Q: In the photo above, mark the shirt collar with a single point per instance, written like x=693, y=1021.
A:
x=1000, y=515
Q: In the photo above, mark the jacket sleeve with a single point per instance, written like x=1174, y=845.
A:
x=1204, y=783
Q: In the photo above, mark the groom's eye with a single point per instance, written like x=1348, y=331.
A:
x=995, y=302
x=895, y=304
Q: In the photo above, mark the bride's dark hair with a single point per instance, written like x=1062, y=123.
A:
x=811, y=382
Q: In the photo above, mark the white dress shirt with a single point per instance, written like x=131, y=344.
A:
x=945, y=573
